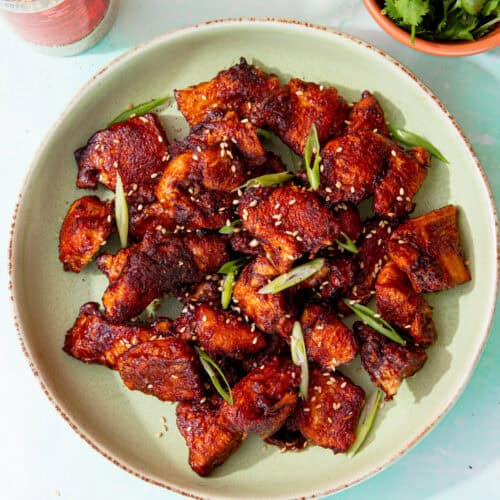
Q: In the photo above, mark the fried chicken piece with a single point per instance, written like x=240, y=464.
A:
x=329, y=416
x=206, y=292
x=349, y=219
x=328, y=341
x=168, y=369
x=135, y=148
x=429, y=251
x=386, y=362
x=401, y=306
x=287, y=438
x=272, y=313
x=367, y=114
x=219, y=332
x=85, y=228
x=244, y=242
x=163, y=326
x=151, y=217
x=210, y=443
x=92, y=339
x=264, y=398
x=405, y=174
x=288, y=222
x=112, y=265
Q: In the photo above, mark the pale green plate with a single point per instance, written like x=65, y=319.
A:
x=122, y=424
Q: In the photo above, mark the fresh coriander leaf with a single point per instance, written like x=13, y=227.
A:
x=412, y=13
x=472, y=6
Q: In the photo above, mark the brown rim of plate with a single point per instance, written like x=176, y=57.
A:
x=87, y=438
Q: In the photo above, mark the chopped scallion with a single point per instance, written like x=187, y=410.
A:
x=348, y=244
x=231, y=227
x=121, y=211
x=267, y=180
x=299, y=357
x=140, y=109
x=312, y=147
x=227, y=289
x=209, y=364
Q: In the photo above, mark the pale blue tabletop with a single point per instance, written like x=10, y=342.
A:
x=40, y=456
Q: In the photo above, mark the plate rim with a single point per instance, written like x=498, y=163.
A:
x=237, y=21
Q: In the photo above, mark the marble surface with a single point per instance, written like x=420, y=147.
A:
x=40, y=456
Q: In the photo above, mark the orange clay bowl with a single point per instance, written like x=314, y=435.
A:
x=449, y=49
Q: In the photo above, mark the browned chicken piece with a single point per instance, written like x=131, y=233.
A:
x=429, y=251
x=329, y=342
x=329, y=416
x=244, y=242
x=86, y=227
x=150, y=217
x=163, y=326
x=287, y=438
x=112, y=265
x=92, y=339
x=276, y=345
x=386, y=362
x=405, y=174
x=206, y=292
x=401, y=306
x=161, y=264
x=272, y=313
x=367, y=114
x=210, y=443
x=135, y=148
x=219, y=332
x=349, y=219
x=168, y=369
x=288, y=222
x=264, y=398
x=352, y=166
x=240, y=88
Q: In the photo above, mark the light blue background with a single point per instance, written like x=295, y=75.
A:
x=40, y=457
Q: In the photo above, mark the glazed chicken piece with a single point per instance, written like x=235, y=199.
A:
x=367, y=114
x=401, y=306
x=112, y=265
x=272, y=313
x=386, y=362
x=206, y=292
x=288, y=222
x=86, y=227
x=264, y=398
x=135, y=148
x=210, y=443
x=168, y=369
x=349, y=219
x=429, y=251
x=219, y=332
x=329, y=416
x=288, y=438
x=329, y=343
x=92, y=339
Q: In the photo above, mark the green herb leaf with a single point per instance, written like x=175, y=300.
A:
x=411, y=139
x=311, y=148
x=293, y=277
x=348, y=245
x=486, y=27
x=208, y=364
x=231, y=228
x=371, y=318
x=227, y=290
x=366, y=421
x=121, y=211
x=267, y=180
x=139, y=110
x=231, y=266
x=472, y=6
x=266, y=134
x=490, y=8
x=299, y=357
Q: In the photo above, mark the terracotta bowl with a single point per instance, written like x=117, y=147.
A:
x=449, y=49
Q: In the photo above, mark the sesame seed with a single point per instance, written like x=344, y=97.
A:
x=401, y=191
x=254, y=341
x=343, y=384
x=108, y=218
x=174, y=376
x=338, y=184
x=393, y=153
x=160, y=138
x=139, y=207
x=253, y=204
x=203, y=97
x=352, y=189
x=299, y=92
x=278, y=223
x=116, y=141
x=339, y=150
x=204, y=318
x=154, y=176
x=195, y=157
x=328, y=189
x=292, y=201
x=253, y=243
x=399, y=198
x=306, y=409
x=368, y=236
x=149, y=386
x=233, y=168
x=336, y=406
x=245, y=120
x=401, y=242
x=115, y=164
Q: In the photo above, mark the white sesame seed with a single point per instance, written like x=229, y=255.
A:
x=245, y=120
x=203, y=97
x=254, y=341
x=352, y=189
x=298, y=92
x=139, y=207
x=154, y=176
x=338, y=184
x=393, y=153
x=160, y=138
x=292, y=201
x=343, y=384
x=233, y=168
x=108, y=218
x=195, y=157
x=253, y=243
x=253, y=204
x=329, y=189
x=339, y=150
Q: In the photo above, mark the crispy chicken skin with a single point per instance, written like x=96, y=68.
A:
x=272, y=313
x=219, y=332
x=288, y=222
x=112, y=265
x=367, y=114
x=329, y=416
x=206, y=292
x=168, y=369
x=386, y=362
x=328, y=341
x=429, y=251
x=287, y=438
x=85, y=228
x=349, y=219
x=264, y=398
x=92, y=339
x=401, y=306
x=210, y=443
x=136, y=148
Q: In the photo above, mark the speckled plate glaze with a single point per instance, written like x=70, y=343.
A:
x=122, y=425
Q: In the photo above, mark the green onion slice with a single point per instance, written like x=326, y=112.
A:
x=227, y=289
x=348, y=244
x=139, y=110
x=299, y=357
x=267, y=180
x=231, y=266
x=121, y=211
x=370, y=317
x=366, y=421
x=411, y=139
x=293, y=277
x=209, y=364
x=230, y=228
x=312, y=148
x=266, y=134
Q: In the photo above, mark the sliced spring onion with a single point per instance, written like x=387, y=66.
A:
x=230, y=228
x=312, y=147
x=299, y=357
x=209, y=364
x=227, y=289
x=411, y=139
x=267, y=180
x=348, y=244
x=266, y=134
x=293, y=277
x=121, y=211
x=366, y=421
x=370, y=317
x=139, y=110
x=231, y=266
